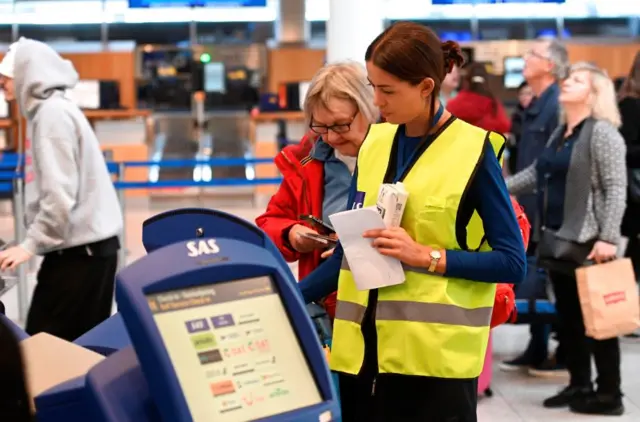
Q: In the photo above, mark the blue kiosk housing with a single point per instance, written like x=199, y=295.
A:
x=218, y=333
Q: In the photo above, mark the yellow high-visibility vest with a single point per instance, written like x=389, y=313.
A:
x=430, y=325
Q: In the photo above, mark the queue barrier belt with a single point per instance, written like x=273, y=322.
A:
x=9, y=163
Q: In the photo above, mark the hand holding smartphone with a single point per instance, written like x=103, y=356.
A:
x=325, y=240
x=318, y=224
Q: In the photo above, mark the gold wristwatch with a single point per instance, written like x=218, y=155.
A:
x=435, y=258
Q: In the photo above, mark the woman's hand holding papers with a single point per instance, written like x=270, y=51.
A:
x=396, y=242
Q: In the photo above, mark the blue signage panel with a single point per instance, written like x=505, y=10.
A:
x=137, y=4
x=449, y=2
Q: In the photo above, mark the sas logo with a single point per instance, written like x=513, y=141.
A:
x=202, y=247
x=197, y=325
x=358, y=200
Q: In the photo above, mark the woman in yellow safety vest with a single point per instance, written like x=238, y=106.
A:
x=414, y=351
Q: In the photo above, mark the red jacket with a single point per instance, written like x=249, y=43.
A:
x=301, y=192
x=478, y=110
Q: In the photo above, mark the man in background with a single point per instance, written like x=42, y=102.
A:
x=546, y=64
x=72, y=215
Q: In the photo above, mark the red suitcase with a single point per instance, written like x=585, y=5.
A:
x=484, y=381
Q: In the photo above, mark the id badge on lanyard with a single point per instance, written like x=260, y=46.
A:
x=414, y=156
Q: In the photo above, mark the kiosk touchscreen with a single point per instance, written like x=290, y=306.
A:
x=221, y=334
x=234, y=350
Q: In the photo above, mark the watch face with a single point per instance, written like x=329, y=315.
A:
x=435, y=254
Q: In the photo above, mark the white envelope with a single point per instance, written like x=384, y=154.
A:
x=370, y=269
x=392, y=200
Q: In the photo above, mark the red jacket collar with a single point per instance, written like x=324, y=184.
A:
x=292, y=158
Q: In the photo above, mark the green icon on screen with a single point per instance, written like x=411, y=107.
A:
x=203, y=341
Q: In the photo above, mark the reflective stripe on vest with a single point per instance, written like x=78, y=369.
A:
x=437, y=313
x=430, y=325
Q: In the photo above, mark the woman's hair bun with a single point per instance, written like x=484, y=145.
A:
x=452, y=55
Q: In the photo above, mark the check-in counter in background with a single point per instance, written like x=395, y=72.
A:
x=126, y=135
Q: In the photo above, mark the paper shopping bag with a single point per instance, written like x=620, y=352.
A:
x=609, y=299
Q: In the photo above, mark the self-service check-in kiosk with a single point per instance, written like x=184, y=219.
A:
x=218, y=333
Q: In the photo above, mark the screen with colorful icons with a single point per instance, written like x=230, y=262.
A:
x=234, y=350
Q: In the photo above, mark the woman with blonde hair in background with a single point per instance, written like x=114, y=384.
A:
x=317, y=172
x=581, y=185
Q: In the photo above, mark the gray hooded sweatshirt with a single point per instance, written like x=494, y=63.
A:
x=69, y=195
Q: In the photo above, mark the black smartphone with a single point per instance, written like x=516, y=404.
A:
x=318, y=224
x=326, y=240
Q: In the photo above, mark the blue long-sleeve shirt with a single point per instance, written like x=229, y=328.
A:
x=505, y=263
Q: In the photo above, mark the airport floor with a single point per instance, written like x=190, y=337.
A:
x=517, y=396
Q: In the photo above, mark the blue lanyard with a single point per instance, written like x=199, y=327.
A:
x=417, y=150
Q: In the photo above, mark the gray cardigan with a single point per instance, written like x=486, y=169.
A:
x=595, y=196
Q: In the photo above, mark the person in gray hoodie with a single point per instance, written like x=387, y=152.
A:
x=72, y=215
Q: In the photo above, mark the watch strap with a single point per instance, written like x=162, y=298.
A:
x=434, y=264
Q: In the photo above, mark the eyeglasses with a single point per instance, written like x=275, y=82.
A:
x=341, y=128
x=532, y=53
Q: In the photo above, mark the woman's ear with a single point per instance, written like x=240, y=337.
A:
x=427, y=86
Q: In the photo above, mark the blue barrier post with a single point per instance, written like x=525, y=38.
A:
x=19, y=229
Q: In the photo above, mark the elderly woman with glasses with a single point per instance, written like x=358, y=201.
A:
x=581, y=184
x=317, y=172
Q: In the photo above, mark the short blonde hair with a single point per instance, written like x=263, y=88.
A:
x=605, y=103
x=345, y=81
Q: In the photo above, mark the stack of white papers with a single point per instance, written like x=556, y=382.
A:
x=370, y=269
